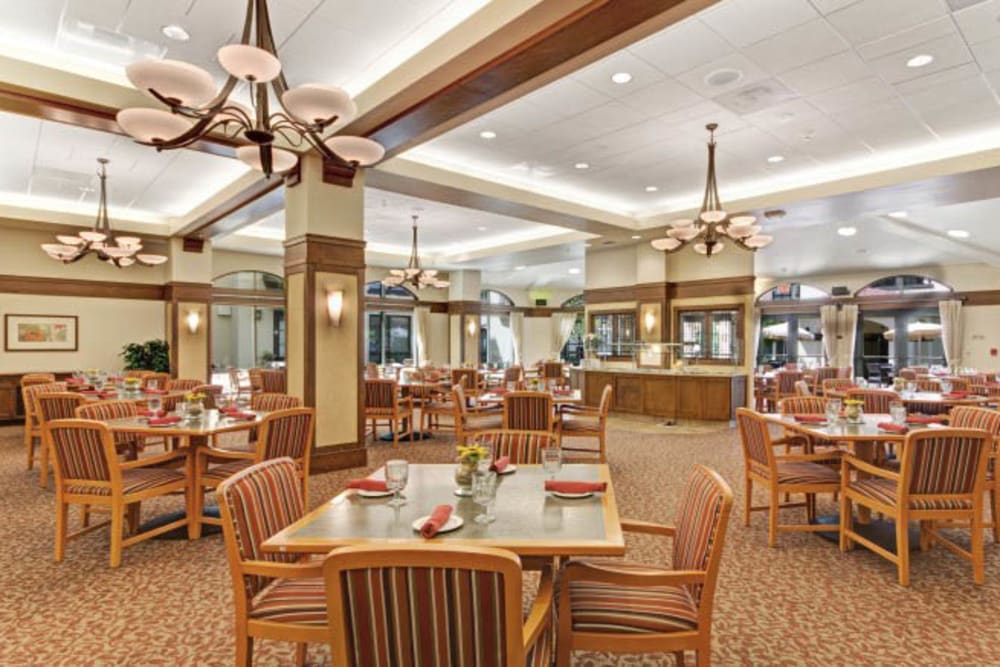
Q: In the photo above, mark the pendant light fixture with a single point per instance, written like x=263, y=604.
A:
x=713, y=224
x=305, y=112
x=101, y=240
x=413, y=275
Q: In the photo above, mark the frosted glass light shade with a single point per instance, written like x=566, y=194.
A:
x=118, y=252
x=58, y=249
x=665, y=243
x=152, y=260
x=93, y=237
x=249, y=63
x=126, y=261
x=739, y=231
x=713, y=216
x=69, y=240
x=152, y=126
x=316, y=103
x=742, y=220
x=177, y=81
x=684, y=234
x=356, y=149
x=702, y=249
x=680, y=223
x=759, y=241
x=281, y=160
x=129, y=242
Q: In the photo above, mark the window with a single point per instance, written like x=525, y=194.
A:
x=496, y=337
x=710, y=335
x=908, y=285
x=258, y=281
x=793, y=337
x=390, y=337
x=615, y=333
x=248, y=321
x=573, y=350
x=495, y=298
x=792, y=292
x=376, y=290
x=880, y=344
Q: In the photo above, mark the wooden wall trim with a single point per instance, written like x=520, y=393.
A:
x=736, y=286
x=101, y=289
x=403, y=304
x=328, y=254
x=177, y=291
x=600, y=295
x=980, y=298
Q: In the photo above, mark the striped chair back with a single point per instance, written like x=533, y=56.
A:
x=256, y=503
x=513, y=374
x=944, y=462
x=552, y=370
x=270, y=402
x=874, y=401
x=160, y=380
x=837, y=384
x=522, y=447
x=137, y=373
x=907, y=374
x=700, y=528
x=928, y=384
x=105, y=410
x=993, y=390
x=181, y=384
x=755, y=440
x=62, y=405
x=527, y=411
x=212, y=393
x=469, y=375
x=959, y=384
x=984, y=419
x=84, y=453
x=825, y=373
x=272, y=381
x=785, y=382
x=380, y=394
x=29, y=379
x=30, y=394
x=287, y=433
x=604, y=407
x=440, y=605
x=802, y=405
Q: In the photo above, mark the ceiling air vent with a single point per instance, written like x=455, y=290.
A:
x=756, y=97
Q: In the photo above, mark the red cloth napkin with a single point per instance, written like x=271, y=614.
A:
x=892, y=428
x=367, y=484
x=810, y=419
x=499, y=390
x=161, y=421
x=241, y=415
x=108, y=394
x=925, y=419
x=152, y=413
x=91, y=392
x=156, y=391
x=229, y=410
x=565, y=486
x=114, y=378
x=74, y=381
x=500, y=464
x=563, y=392
x=955, y=394
x=436, y=521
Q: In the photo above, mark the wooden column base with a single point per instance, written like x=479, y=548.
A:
x=338, y=457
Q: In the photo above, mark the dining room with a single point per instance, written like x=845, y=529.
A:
x=467, y=332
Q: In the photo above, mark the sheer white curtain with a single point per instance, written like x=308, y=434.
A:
x=951, y=331
x=562, y=330
x=848, y=338
x=828, y=324
x=421, y=324
x=517, y=334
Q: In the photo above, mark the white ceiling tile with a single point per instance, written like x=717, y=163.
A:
x=797, y=46
x=987, y=54
x=853, y=95
x=941, y=78
x=566, y=97
x=948, y=52
x=696, y=79
x=661, y=98
x=979, y=23
x=828, y=73
x=963, y=119
x=681, y=47
x=782, y=116
x=869, y=20
x=743, y=22
x=828, y=6
x=598, y=76
x=971, y=90
x=906, y=40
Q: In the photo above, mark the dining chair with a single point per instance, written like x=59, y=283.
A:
x=786, y=473
x=435, y=604
x=577, y=421
x=127, y=444
x=160, y=379
x=782, y=387
x=32, y=429
x=468, y=422
x=824, y=373
x=212, y=393
x=521, y=447
x=29, y=379
x=438, y=402
x=802, y=388
x=802, y=405
x=137, y=373
x=473, y=380
x=283, y=434
x=88, y=473
x=182, y=384
x=49, y=407
x=513, y=374
x=276, y=596
x=959, y=383
x=920, y=370
x=942, y=477
x=928, y=384
x=907, y=374
x=837, y=384
x=270, y=401
x=553, y=370
x=627, y=607
x=873, y=401
x=237, y=384
x=529, y=411
x=256, y=379
x=984, y=419
x=273, y=380
x=383, y=403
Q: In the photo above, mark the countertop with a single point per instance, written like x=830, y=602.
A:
x=664, y=371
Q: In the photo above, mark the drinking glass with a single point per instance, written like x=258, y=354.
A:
x=487, y=459
x=898, y=412
x=182, y=408
x=484, y=492
x=833, y=408
x=154, y=403
x=153, y=384
x=551, y=461
x=396, y=473
x=911, y=387
x=946, y=387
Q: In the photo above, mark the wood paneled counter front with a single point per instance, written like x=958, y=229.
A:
x=710, y=395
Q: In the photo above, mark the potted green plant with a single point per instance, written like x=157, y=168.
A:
x=153, y=355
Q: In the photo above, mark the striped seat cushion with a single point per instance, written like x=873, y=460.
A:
x=806, y=472
x=571, y=422
x=609, y=608
x=884, y=491
x=134, y=480
x=291, y=601
x=484, y=422
x=224, y=470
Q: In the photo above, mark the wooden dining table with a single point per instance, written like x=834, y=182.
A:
x=137, y=397
x=558, y=398
x=931, y=402
x=530, y=522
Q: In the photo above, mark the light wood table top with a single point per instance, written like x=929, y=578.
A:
x=925, y=397
x=529, y=521
x=843, y=431
x=212, y=423
x=559, y=399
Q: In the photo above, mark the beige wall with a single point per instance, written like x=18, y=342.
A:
x=229, y=261
x=688, y=265
x=337, y=363
x=616, y=267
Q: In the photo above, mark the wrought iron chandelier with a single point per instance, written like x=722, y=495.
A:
x=101, y=240
x=196, y=110
x=713, y=224
x=413, y=274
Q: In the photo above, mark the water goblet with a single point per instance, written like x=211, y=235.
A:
x=946, y=386
x=551, y=461
x=154, y=403
x=833, y=408
x=397, y=472
x=486, y=460
x=484, y=492
x=897, y=410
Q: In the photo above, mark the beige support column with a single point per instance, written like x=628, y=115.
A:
x=325, y=265
x=188, y=297
x=464, y=308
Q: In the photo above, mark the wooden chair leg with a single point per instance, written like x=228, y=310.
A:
x=994, y=511
x=846, y=522
x=244, y=648
x=703, y=657
x=62, y=516
x=747, y=501
x=300, y=654
x=925, y=535
x=84, y=515
x=772, y=522
x=43, y=466
x=132, y=513
x=29, y=443
x=903, y=550
x=117, y=521
x=602, y=442
x=976, y=547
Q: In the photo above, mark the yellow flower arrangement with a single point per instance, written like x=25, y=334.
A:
x=853, y=401
x=471, y=453
x=194, y=396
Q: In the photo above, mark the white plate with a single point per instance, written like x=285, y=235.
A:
x=509, y=469
x=373, y=494
x=453, y=523
x=572, y=496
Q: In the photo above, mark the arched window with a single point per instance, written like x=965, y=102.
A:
x=377, y=290
x=904, y=284
x=258, y=281
x=573, y=302
x=389, y=334
x=248, y=322
x=792, y=292
x=496, y=333
x=572, y=351
x=495, y=298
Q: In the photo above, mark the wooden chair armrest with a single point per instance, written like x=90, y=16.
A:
x=154, y=460
x=790, y=439
x=825, y=455
x=607, y=573
x=648, y=527
x=850, y=461
x=228, y=454
x=541, y=610
x=263, y=568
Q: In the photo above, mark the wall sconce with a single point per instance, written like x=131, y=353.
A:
x=471, y=328
x=649, y=320
x=335, y=306
x=193, y=320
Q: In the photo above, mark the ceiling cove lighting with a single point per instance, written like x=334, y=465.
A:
x=775, y=159
x=713, y=223
x=958, y=234
x=101, y=241
x=305, y=113
x=413, y=274
x=898, y=215
x=651, y=188
x=847, y=231
x=582, y=165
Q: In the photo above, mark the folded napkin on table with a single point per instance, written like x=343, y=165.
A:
x=161, y=421
x=91, y=392
x=810, y=418
x=563, y=392
x=438, y=518
x=152, y=413
x=500, y=464
x=367, y=484
x=229, y=410
x=925, y=419
x=74, y=381
x=892, y=428
x=241, y=415
x=565, y=486
x=498, y=390
x=108, y=394
x=156, y=391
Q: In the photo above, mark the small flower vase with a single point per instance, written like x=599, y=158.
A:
x=463, y=477
x=195, y=409
x=853, y=414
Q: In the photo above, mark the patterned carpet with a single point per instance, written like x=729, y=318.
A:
x=803, y=603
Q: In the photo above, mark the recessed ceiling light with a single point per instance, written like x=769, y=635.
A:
x=899, y=215
x=175, y=32
x=636, y=236
x=922, y=60
x=958, y=234
x=574, y=271
x=582, y=165
x=774, y=159
x=488, y=134
x=847, y=231
x=651, y=188
x=621, y=77
x=482, y=229
x=520, y=268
